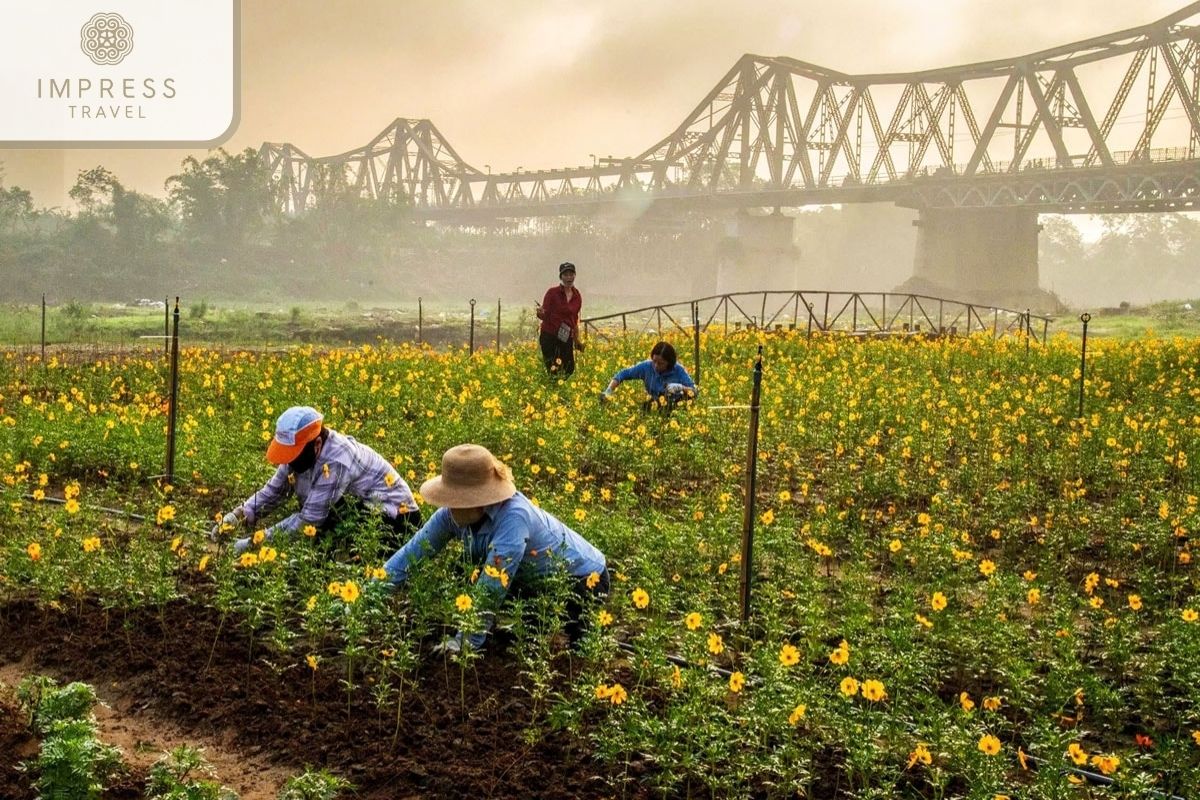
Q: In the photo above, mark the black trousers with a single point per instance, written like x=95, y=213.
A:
x=557, y=355
x=578, y=602
x=347, y=508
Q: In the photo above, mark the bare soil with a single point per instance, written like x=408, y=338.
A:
x=259, y=726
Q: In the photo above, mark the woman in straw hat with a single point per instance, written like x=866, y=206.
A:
x=501, y=532
x=333, y=476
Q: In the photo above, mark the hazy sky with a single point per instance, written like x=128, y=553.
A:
x=544, y=84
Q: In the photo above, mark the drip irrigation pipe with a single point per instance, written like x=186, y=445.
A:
x=678, y=661
x=1098, y=779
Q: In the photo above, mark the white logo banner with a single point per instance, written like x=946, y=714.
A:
x=144, y=73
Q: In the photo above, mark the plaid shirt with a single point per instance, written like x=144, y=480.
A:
x=345, y=467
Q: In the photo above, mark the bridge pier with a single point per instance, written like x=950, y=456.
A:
x=986, y=255
x=756, y=252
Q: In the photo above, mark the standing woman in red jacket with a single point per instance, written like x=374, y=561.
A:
x=559, y=313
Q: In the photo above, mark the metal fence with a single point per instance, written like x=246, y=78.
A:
x=852, y=313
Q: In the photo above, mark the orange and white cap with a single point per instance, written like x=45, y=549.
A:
x=295, y=428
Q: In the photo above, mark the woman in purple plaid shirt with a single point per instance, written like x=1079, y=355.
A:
x=333, y=476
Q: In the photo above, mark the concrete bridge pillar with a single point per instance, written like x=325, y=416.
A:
x=986, y=255
x=757, y=252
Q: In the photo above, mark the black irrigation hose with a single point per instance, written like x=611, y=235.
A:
x=1098, y=779
x=678, y=661
x=115, y=512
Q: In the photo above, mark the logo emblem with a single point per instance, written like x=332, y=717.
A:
x=106, y=38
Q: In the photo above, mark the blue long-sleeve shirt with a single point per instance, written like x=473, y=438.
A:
x=512, y=533
x=656, y=382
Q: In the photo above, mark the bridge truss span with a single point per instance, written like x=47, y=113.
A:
x=1108, y=123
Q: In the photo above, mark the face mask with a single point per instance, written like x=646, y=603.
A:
x=307, y=458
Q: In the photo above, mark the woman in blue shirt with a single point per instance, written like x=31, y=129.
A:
x=661, y=374
x=501, y=532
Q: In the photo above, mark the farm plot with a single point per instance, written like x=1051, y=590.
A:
x=961, y=586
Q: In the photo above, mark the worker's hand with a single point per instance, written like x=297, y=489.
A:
x=450, y=646
x=541, y=312
x=229, y=522
x=605, y=396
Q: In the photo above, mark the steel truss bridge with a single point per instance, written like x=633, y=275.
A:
x=1111, y=123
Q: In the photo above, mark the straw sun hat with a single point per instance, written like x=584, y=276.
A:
x=471, y=477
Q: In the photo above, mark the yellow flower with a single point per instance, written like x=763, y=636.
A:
x=1077, y=753
x=1196, y=737
x=349, y=592
x=848, y=687
x=1029, y=575
x=203, y=565
x=175, y=543
x=966, y=702
x=39, y=495
x=938, y=601
x=715, y=645
x=986, y=568
x=165, y=514
x=841, y=655
x=91, y=544
x=248, y=560
x=1106, y=764
x=895, y=545
x=797, y=714
x=924, y=621
x=580, y=515
x=258, y=537
x=920, y=755
x=311, y=603
x=1034, y=596
x=267, y=555
x=390, y=479
x=768, y=517
x=72, y=506
x=693, y=621
x=989, y=745
x=789, y=655
x=312, y=661
x=309, y=531
x=737, y=682
x=604, y=618
x=991, y=703
x=1189, y=615
x=34, y=550
x=676, y=676
x=640, y=598
x=463, y=603
x=593, y=580
x=1135, y=602
x=1096, y=602
x=615, y=694
x=873, y=690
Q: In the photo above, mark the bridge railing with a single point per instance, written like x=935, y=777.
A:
x=849, y=313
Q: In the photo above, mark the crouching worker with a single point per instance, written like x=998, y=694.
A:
x=511, y=541
x=665, y=379
x=334, y=477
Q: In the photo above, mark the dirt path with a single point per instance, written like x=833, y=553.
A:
x=143, y=737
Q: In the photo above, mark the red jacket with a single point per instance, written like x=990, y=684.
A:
x=556, y=310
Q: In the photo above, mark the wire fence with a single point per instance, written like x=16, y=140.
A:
x=864, y=314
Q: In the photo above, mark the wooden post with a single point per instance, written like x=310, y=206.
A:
x=472, y=326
